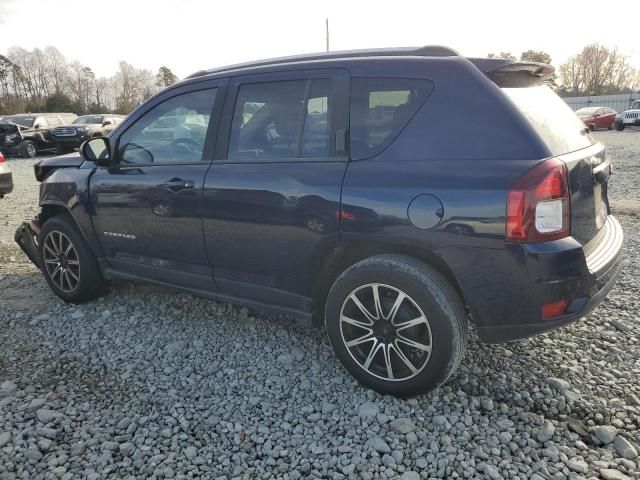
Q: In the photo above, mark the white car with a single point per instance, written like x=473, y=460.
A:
x=629, y=118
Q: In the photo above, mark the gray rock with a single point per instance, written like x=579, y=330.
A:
x=190, y=452
x=408, y=475
x=379, y=445
x=36, y=403
x=127, y=448
x=611, y=474
x=439, y=420
x=7, y=388
x=577, y=465
x=5, y=438
x=403, y=425
x=545, y=433
x=624, y=448
x=46, y=416
x=33, y=455
x=368, y=410
x=558, y=384
x=492, y=472
x=605, y=433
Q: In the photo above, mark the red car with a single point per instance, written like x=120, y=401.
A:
x=597, y=117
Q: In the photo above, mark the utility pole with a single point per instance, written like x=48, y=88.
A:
x=326, y=23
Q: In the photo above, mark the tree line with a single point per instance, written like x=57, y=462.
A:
x=45, y=81
x=595, y=70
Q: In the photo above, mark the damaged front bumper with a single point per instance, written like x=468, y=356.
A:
x=27, y=238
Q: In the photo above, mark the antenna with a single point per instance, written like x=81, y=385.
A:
x=326, y=23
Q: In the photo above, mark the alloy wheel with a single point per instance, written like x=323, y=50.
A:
x=31, y=150
x=385, y=332
x=61, y=261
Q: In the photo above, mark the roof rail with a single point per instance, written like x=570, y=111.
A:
x=426, y=51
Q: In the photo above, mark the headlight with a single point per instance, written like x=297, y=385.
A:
x=82, y=129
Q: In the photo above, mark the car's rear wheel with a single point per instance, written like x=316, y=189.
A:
x=396, y=324
x=68, y=264
x=619, y=127
x=28, y=149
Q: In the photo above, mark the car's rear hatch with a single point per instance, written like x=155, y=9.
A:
x=565, y=136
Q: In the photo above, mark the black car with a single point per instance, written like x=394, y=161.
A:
x=344, y=189
x=29, y=133
x=6, y=179
x=69, y=137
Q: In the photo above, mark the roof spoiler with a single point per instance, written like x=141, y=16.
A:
x=506, y=73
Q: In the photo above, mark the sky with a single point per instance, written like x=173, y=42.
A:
x=189, y=35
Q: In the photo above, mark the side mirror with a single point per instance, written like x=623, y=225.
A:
x=97, y=150
x=107, y=122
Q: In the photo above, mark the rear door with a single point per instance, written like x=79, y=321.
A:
x=147, y=208
x=272, y=196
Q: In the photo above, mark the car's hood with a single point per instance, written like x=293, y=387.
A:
x=47, y=165
x=635, y=110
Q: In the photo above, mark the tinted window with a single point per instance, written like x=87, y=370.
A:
x=171, y=132
x=380, y=109
x=551, y=117
x=266, y=120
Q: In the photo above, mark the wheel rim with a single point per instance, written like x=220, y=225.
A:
x=315, y=225
x=61, y=261
x=31, y=150
x=385, y=332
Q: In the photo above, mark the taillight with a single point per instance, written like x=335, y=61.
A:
x=1, y=157
x=538, y=204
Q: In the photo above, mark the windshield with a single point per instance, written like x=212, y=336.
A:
x=635, y=105
x=20, y=120
x=586, y=111
x=87, y=119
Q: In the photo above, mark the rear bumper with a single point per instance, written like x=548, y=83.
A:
x=560, y=270
x=26, y=237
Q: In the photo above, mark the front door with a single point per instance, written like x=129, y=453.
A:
x=272, y=196
x=148, y=206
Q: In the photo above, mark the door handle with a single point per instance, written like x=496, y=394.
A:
x=178, y=184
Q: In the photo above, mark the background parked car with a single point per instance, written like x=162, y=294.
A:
x=69, y=137
x=6, y=180
x=629, y=118
x=597, y=117
x=27, y=134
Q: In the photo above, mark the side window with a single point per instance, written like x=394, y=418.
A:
x=380, y=108
x=171, y=132
x=281, y=120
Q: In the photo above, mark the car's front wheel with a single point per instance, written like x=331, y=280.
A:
x=69, y=266
x=396, y=324
x=28, y=149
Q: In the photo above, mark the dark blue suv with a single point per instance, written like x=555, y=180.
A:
x=391, y=195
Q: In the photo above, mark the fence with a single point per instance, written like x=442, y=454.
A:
x=619, y=103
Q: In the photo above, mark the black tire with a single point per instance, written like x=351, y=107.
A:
x=619, y=127
x=429, y=295
x=28, y=149
x=90, y=283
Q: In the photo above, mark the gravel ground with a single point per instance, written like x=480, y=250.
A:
x=149, y=383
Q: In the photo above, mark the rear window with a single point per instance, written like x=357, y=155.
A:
x=558, y=125
x=380, y=109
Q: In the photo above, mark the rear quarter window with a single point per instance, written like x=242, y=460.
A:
x=380, y=108
x=557, y=125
